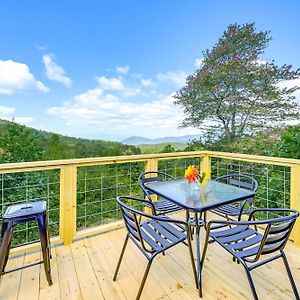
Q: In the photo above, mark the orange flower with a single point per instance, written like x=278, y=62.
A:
x=191, y=174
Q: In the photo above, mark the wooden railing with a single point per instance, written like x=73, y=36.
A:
x=68, y=183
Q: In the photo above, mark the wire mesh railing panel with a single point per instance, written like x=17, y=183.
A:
x=177, y=167
x=274, y=181
x=28, y=187
x=98, y=187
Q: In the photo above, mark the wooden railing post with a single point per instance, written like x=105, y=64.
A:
x=205, y=165
x=295, y=200
x=68, y=195
x=151, y=165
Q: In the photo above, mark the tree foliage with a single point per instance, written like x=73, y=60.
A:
x=235, y=92
x=168, y=149
x=18, y=144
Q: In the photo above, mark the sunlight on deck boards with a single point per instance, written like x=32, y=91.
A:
x=84, y=270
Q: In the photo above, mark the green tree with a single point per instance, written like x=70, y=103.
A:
x=55, y=148
x=235, y=92
x=18, y=144
x=289, y=144
x=168, y=149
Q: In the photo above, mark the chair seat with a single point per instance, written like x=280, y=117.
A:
x=161, y=235
x=240, y=241
x=25, y=209
x=229, y=210
x=164, y=206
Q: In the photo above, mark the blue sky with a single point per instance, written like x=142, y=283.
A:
x=108, y=69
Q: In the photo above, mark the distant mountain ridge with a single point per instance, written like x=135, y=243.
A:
x=138, y=140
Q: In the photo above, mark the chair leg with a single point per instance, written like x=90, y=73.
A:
x=43, y=229
x=249, y=277
x=144, y=279
x=205, y=219
x=293, y=284
x=120, y=258
x=192, y=232
x=192, y=255
x=204, y=249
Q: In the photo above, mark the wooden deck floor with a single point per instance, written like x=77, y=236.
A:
x=84, y=270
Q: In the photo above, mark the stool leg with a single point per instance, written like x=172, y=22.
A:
x=6, y=237
x=43, y=229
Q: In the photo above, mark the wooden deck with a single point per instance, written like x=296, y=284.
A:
x=84, y=270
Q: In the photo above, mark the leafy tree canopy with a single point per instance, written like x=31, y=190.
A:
x=18, y=144
x=235, y=92
x=168, y=149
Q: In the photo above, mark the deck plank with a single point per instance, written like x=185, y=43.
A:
x=30, y=279
x=11, y=282
x=50, y=292
x=138, y=263
x=86, y=277
x=125, y=274
x=68, y=281
x=103, y=272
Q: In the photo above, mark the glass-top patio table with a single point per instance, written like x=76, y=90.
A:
x=198, y=200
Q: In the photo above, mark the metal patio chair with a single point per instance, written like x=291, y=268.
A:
x=152, y=236
x=237, y=210
x=249, y=246
x=161, y=206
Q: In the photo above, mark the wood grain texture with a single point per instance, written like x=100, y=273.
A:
x=84, y=270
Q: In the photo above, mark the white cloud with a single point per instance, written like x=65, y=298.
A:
x=122, y=69
x=289, y=84
x=104, y=113
x=178, y=77
x=16, y=77
x=110, y=83
x=24, y=120
x=118, y=86
x=55, y=72
x=261, y=62
x=198, y=62
x=41, y=47
x=147, y=83
x=6, y=111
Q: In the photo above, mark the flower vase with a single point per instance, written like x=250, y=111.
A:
x=194, y=186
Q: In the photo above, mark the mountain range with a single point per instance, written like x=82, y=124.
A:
x=138, y=140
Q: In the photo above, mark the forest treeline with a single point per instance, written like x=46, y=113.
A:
x=19, y=143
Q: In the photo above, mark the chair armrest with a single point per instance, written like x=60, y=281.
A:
x=251, y=222
x=272, y=210
x=146, y=202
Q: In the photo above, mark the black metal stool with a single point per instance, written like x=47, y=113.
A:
x=22, y=213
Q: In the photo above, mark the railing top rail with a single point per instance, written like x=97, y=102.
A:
x=80, y=162
x=279, y=161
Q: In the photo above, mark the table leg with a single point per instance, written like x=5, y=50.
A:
x=197, y=271
x=198, y=249
x=191, y=250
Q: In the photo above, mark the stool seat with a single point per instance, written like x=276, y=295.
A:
x=25, y=209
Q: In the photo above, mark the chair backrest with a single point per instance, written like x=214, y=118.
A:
x=132, y=218
x=239, y=180
x=277, y=231
x=152, y=176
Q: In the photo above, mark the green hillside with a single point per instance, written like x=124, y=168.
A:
x=21, y=143
x=156, y=148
